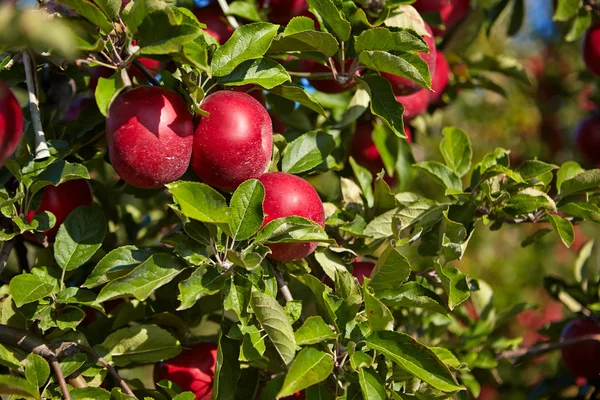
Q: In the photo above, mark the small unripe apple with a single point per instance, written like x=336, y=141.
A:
x=150, y=134
x=11, y=123
x=287, y=195
x=362, y=269
x=591, y=48
x=327, y=85
x=282, y=11
x=441, y=78
x=587, y=137
x=62, y=200
x=192, y=370
x=234, y=142
x=582, y=358
x=216, y=25
x=404, y=86
x=414, y=104
x=451, y=11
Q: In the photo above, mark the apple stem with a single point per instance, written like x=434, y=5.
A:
x=230, y=18
x=547, y=347
x=333, y=69
x=284, y=289
x=41, y=147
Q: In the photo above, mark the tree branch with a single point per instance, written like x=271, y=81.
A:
x=41, y=147
x=283, y=287
x=109, y=367
x=147, y=73
x=546, y=347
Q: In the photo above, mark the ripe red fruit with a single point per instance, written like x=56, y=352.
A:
x=327, y=85
x=451, y=11
x=287, y=195
x=11, y=123
x=403, y=86
x=192, y=370
x=216, y=25
x=254, y=91
x=587, y=137
x=414, y=104
x=150, y=134
x=154, y=66
x=439, y=81
x=591, y=48
x=234, y=143
x=61, y=200
x=282, y=11
x=362, y=269
x=582, y=358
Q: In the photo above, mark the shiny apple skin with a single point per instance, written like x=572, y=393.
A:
x=451, y=12
x=587, y=137
x=441, y=78
x=11, y=123
x=288, y=195
x=234, y=142
x=150, y=134
x=62, y=200
x=414, y=104
x=582, y=358
x=192, y=370
x=216, y=25
x=591, y=48
x=327, y=85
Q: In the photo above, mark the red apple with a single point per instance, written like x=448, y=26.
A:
x=414, y=104
x=287, y=195
x=11, y=123
x=362, y=269
x=153, y=66
x=582, y=358
x=150, y=134
x=440, y=79
x=61, y=200
x=254, y=91
x=451, y=11
x=404, y=86
x=192, y=370
x=278, y=125
x=234, y=143
x=327, y=85
x=216, y=25
x=488, y=392
x=587, y=137
x=591, y=48
x=282, y=11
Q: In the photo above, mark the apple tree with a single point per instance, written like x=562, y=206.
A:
x=228, y=200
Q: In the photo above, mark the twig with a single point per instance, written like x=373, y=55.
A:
x=78, y=381
x=147, y=73
x=230, y=18
x=60, y=377
x=109, y=367
x=283, y=287
x=5, y=253
x=546, y=347
x=41, y=147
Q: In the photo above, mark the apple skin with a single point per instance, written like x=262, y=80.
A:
x=451, y=11
x=214, y=19
x=254, y=91
x=587, y=137
x=234, y=143
x=414, y=104
x=61, y=200
x=441, y=78
x=287, y=195
x=326, y=85
x=591, y=48
x=150, y=134
x=154, y=66
x=192, y=370
x=11, y=123
x=582, y=358
x=403, y=86
x=282, y=11
x=362, y=269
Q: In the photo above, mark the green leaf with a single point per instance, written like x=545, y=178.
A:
x=7, y=358
x=37, y=370
x=568, y=170
x=406, y=65
x=441, y=174
x=227, y=369
x=447, y=357
x=237, y=298
x=75, y=295
x=314, y=330
x=306, y=152
x=310, y=367
x=365, y=181
x=115, y=264
x=262, y=71
x=158, y=270
x=246, y=212
x=415, y=358
x=584, y=182
x=385, y=39
x=581, y=23
x=142, y=344
x=27, y=288
x=333, y=16
x=249, y=42
x=185, y=396
x=297, y=94
x=304, y=39
x=19, y=387
x=379, y=316
x=87, y=36
x=107, y=90
x=529, y=200
x=58, y=173
x=79, y=237
x=405, y=16
x=90, y=11
x=245, y=9
x=293, y=310
x=581, y=210
x=384, y=104
x=566, y=9
x=454, y=283
x=563, y=228
x=291, y=230
x=273, y=320
x=200, y=202
x=456, y=150
x=166, y=31
x=390, y=272
x=533, y=168
x=72, y=363
x=89, y=393
x=415, y=295
x=371, y=384
x=204, y=281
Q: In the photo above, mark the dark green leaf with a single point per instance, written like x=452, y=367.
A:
x=262, y=71
x=384, y=104
x=89, y=393
x=246, y=213
x=90, y=11
x=314, y=330
x=406, y=65
x=227, y=369
x=563, y=228
x=441, y=174
x=200, y=202
x=115, y=264
x=291, y=230
x=391, y=271
x=586, y=181
x=204, y=281
x=371, y=384
x=306, y=152
x=19, y=387
x=37, y=370
x=379, y=316
x=304, y=40
x=297, y=94
x=166, y=31
x=385, y=39
x=27, y=288
x=454, y=283
x=534, y=168
x=310, y=367
x=365, y=181
x=333, y=16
